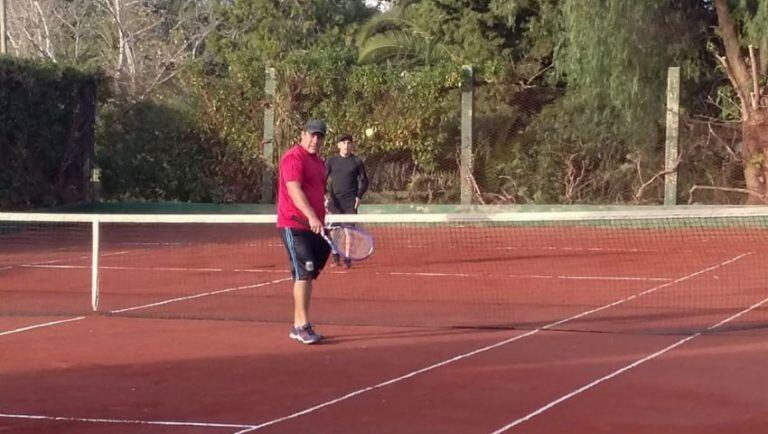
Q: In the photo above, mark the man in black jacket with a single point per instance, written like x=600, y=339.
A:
x=348, y=183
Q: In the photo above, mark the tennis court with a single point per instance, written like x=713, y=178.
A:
x=603, y=322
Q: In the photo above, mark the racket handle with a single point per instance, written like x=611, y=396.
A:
x=323, y=232
x=304, y=221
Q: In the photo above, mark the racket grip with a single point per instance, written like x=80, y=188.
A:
x=305, y=222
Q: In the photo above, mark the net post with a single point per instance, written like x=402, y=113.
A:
x=270, y=85
x=467, y=120
x=95, y=263
x=673, y=120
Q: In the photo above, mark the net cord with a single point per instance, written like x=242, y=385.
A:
x=552, y=216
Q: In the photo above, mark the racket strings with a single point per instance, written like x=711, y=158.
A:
x=351, y=243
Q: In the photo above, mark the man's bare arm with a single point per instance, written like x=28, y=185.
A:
x=300, y=200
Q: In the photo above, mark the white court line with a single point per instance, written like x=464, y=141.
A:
x=124, y=421
x=53, y=261
x=37, y=326
x=267, y=270
x=126, y=268
x=611, y=278
x=426, y=274
x=552, y=248
x=624, y=369
x=66, y=267
x=487, y=348
x=153, y=244
x=242, y=428
x=47, y=264
x=272, y=270
x=261, y=270
x=578, y=249
x=536, y=276
x=191, y=297
x=103, y=267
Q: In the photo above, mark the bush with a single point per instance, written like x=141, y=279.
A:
x=47, y=115
x=149, y=151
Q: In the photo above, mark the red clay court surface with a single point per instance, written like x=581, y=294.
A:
x=608, y=338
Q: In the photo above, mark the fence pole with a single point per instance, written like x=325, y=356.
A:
x=267, y=184
x=467, y=121
x=673, y=121
x=3, y=29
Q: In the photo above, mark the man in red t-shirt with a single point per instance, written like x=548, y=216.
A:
x=300, y=220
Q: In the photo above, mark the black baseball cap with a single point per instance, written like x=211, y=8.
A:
x=346, y=138
x=315, y=126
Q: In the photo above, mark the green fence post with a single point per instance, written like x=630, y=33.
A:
x=467, y=121
x=673, y=120
x=267, y=184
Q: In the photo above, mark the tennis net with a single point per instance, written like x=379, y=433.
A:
x=650, y=270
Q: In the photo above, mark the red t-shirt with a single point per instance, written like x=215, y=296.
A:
x=309, y=170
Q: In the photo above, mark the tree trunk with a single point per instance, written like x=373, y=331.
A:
x=754, y=111
x=755, y=151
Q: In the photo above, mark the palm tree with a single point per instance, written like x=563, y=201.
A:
x=397, y=36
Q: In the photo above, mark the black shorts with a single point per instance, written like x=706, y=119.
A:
x=307, y=252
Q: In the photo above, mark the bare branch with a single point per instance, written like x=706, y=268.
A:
x=130, y=45
x=47, y=40
x=701, y=119
x=725, y=145
x=476, y=188
x=658, y=175
x=573, y=177
x=139, y=32
x=538, y=73
x=73, y=28
x=63, y=21
x=763, y=198
x=36, y=44
x=472, y=181
x=755, y=97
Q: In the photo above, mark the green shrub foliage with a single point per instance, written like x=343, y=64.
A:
x=47, y=115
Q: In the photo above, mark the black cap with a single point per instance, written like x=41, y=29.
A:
x=315, y=126
x=346, y=138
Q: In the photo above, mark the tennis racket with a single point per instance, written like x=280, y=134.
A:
x=346, y=240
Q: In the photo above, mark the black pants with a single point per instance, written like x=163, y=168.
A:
x=341, y=205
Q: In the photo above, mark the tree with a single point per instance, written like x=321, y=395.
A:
x=140, y=44
x=424, y=32
x=397, y=35
x=289, y=36
x=602, y=136
x=746, y=68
